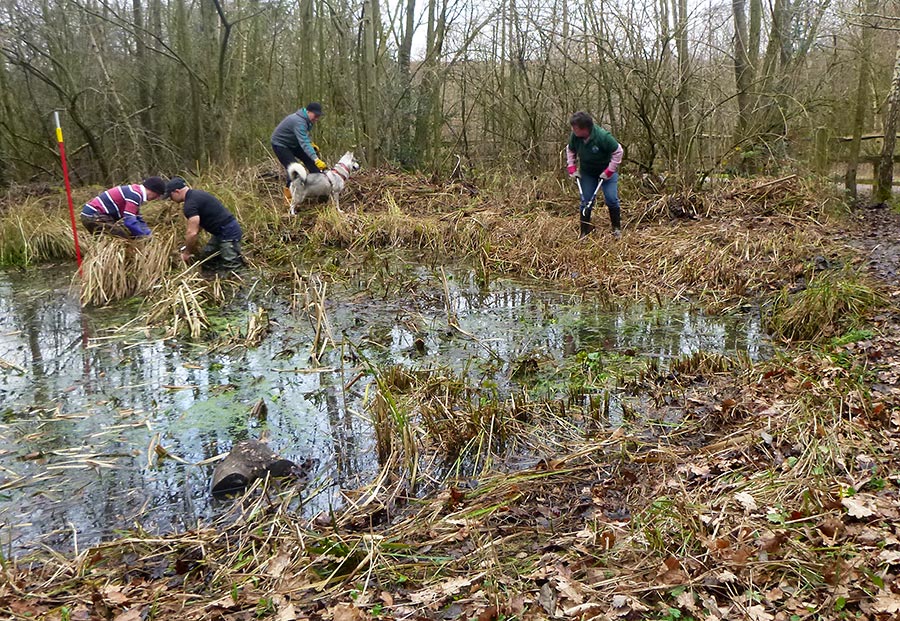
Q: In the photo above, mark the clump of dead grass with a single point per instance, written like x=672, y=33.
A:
x=27, y=239
x=832, y=302
x=181, y=302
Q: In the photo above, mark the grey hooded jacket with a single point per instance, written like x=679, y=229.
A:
x=293, y=133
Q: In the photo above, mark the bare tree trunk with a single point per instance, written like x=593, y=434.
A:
x=685, y=133
x=140, y=57
x=369, y=82
x=862, y=102
x=184, y=38
x=755, y=34
x=886, y=164
x=133, y=158
x=404, y=105
x=427, y=91
x=743, y=71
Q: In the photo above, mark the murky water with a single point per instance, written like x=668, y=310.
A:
x=82, y=406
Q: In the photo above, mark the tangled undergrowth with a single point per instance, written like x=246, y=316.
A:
x=773, y=495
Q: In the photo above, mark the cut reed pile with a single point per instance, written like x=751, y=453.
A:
x=116, y=269
x=783, y=502
x=182, y=302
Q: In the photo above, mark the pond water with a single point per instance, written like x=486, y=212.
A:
x=81, y=405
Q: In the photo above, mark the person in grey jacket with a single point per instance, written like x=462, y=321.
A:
x=291, y=141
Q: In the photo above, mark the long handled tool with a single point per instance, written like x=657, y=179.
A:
x=587, y=207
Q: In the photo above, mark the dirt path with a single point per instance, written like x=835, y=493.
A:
x=878, y=237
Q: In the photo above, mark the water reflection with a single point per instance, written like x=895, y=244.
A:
x=81, y=404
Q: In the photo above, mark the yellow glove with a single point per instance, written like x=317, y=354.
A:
x=321, y=165
x=315, y=148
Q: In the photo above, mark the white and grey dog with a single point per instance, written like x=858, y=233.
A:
x=330, y=182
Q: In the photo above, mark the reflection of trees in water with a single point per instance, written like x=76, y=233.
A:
x=112, y=378
x=340, y=421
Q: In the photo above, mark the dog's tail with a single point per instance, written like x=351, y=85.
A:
x=297, y=171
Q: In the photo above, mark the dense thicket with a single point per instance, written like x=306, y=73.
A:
x=165, y=85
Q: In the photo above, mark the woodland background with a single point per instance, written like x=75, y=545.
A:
x=691, y=89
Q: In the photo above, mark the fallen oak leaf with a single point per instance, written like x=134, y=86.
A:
x=583, y=611
x=887, y=602
x=347, y=612
x=758, y=613
x=747, y=501
x=132, y=614
x=857, y=508
x=114, y=594
x=488, y=614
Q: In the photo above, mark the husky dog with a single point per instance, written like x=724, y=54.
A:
x=330, y=182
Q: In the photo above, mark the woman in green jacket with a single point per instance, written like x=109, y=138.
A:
x=598, y=156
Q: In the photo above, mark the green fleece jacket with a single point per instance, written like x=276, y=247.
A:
x=594, y=153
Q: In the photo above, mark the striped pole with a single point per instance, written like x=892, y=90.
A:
x=65, y=169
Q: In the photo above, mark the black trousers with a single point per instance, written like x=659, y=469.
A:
x=288, y=156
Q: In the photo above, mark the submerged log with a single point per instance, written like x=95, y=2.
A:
x=248, y=460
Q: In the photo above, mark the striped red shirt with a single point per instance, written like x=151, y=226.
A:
x=118, y=201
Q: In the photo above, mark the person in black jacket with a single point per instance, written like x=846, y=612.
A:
x=203, y=210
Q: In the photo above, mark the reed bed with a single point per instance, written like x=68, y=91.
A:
x=739, y=241
x=26, y=239
x=744, y=241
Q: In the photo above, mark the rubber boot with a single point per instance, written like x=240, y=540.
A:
x=287, y=194
x=615, y=218
x=586, y=226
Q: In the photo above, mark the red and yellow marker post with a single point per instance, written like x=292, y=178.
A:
x=65, y=169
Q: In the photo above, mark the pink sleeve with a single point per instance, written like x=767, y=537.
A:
x=570, y=156
x=616, y=159
x=133, y=196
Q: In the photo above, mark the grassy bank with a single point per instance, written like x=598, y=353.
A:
x=743, y=241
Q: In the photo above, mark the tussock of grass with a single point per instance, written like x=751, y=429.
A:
x=27, y=239
x=832, y=302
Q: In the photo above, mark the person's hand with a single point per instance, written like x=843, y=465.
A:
x=606, y=174
x=321, y=165
x=186, y=256
x=315, y=148
x=572, y=170
x=136, y=225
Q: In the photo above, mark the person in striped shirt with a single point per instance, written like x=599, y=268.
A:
x=118, y=210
